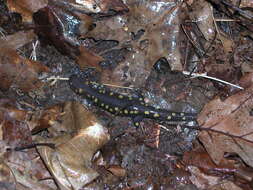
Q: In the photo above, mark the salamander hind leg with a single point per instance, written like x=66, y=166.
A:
x=137, y=120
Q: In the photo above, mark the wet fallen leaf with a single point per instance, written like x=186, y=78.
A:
x=94, y=6
x=54, y=26
x=70, y=162
x=18, y=71
x=203, y=13
x=21, y=166
x=203, y=181
x=117, y=170
x=88, y=59
x=246, y=3
x=76, y=117
x=18, y=39
x=230, y=117
x=26, y=7
x=46, y=118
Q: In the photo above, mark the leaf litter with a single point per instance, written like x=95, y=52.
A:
x=138, y=44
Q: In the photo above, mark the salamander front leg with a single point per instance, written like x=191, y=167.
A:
x=137, y=120
x=139, y=96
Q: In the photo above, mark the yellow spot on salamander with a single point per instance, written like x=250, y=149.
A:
x=111, y=94
x=120, y=96
x=131, y=112
x=80, y=90
x=102, y=104
x=116, y=109
x=130, y=98
x=136, y=124
x=100, y=91
x=111, y=110
x=140, y=99
x=120, y=112
x=173, y=114
x=95, y=100
x=156, y=115
x=126, y=111
x=106, y=107
x=136, y=111
x=169, y=117
x=146, y=112
x=184, y=118
x=182, y=114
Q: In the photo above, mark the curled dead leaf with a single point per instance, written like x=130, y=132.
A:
x=231, y=122
x=117, y=170
x=26, y=7
x=70, y=163
x=18, y=71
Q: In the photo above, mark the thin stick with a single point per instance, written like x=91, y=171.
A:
x=204, y=75
x=33, y=55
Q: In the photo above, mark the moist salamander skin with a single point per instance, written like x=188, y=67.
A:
x=122, y=105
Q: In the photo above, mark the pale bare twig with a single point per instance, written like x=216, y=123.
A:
x=54, y=79
x=204, y=75
x=33, y=55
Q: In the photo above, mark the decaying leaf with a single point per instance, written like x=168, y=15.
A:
x=26, y=7
x=18, y=39
x=203, y=181
x=232, y=116
x=117, y=170
x=203, y=14
x=54, y=26
x=18, y=169
x=46, y=118
x=70, y=162
x=94, y=6
x=89, y=59
x=18, y=71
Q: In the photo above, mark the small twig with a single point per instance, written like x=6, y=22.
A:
x=33, y=55
x=54, y=79
x=2, y=33
x=226, y=20
x=33, y=145
x=204, y=75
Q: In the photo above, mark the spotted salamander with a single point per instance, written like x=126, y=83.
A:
x=122, y=105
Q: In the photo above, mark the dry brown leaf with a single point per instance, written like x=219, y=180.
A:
x=232, y=116
x=70, y=163
x=117, y=170
x=46, y=118
x=203, y=181
x=6, y=176
x=100, y=6
x=18, y=71
x=246, y=3
x=26, y=7
x=88, y=59
x=18, y=39
x=76, y=117
x=22, y=166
